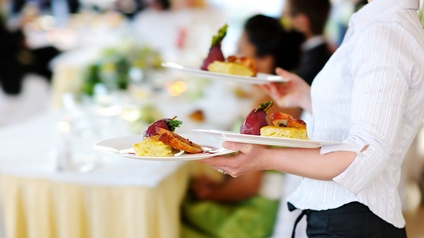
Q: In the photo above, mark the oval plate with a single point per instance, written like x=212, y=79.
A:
x=122, y=146
x=259, y=79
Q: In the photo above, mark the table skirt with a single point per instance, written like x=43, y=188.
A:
x=41, y=208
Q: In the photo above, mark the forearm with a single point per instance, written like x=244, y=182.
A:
x=308, y=162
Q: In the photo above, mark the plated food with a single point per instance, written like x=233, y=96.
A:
x=123, y=147
x=283, y=125
x=232, y=69
x=216, y=62
x=265, y=140
x=215, y=52
x=260, y=78
x=242, y=66
x=159, y=140
x=283, y=131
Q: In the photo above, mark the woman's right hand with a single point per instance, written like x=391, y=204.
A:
x=294, y=93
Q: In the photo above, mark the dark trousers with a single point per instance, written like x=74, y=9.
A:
x=349, y=221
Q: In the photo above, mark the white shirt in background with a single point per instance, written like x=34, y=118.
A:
x=313, y=42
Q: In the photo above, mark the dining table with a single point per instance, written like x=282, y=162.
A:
x=109, y=196
x=53, y=183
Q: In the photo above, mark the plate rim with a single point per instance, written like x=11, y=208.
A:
x=265, y=78
x=187, y=157
x=183, y=157
x=242, y=138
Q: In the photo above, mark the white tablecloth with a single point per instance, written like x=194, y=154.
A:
x=33, y=99
x=27, y=151
x=138, y=194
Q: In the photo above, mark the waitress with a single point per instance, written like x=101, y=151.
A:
x=370, y=97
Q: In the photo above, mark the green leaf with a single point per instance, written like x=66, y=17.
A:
x=265, y=106
x=172, y=124
x=216, y=39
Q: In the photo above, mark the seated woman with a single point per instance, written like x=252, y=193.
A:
x=243, y=206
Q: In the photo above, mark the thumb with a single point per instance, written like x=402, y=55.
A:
x=283, y=73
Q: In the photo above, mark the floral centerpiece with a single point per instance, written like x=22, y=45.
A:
x=114, y=66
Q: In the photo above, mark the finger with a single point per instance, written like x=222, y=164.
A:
x=217, y=161
x=283, y=73
x=275, y=91
x=233, y=145
x=265, y=88
x=233, y=172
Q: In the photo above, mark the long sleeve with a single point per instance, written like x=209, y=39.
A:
x=378, y=100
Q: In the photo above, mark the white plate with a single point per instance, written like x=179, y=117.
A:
x=265, y=140
x=123, y=146
x=259, y=79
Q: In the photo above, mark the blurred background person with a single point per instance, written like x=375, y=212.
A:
x=24, y=75
x=14, y=58
x=310, y=18
x=22, y=13
x=132, y=8
x=44, y=5
x=359, y=4
x=270, y=46
x=59, y=9
x=244, y=206
x=160, y=5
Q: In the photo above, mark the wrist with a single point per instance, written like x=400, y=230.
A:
x=269, y=160
x=273, y=162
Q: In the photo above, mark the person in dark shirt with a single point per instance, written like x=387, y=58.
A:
x=44, y=5
x=14, y=60
x=270, y=46
x=17, y=60
x=309, y=18
x=265, y=41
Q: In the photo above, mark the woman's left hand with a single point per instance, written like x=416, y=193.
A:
x=249, y=158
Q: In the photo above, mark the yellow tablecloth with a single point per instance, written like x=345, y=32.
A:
x=37, y=207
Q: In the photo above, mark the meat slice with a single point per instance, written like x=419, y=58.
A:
x=178, y=142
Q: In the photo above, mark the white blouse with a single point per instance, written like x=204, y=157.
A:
x=371, y=92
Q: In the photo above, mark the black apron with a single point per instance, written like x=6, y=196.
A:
x=348, y=221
